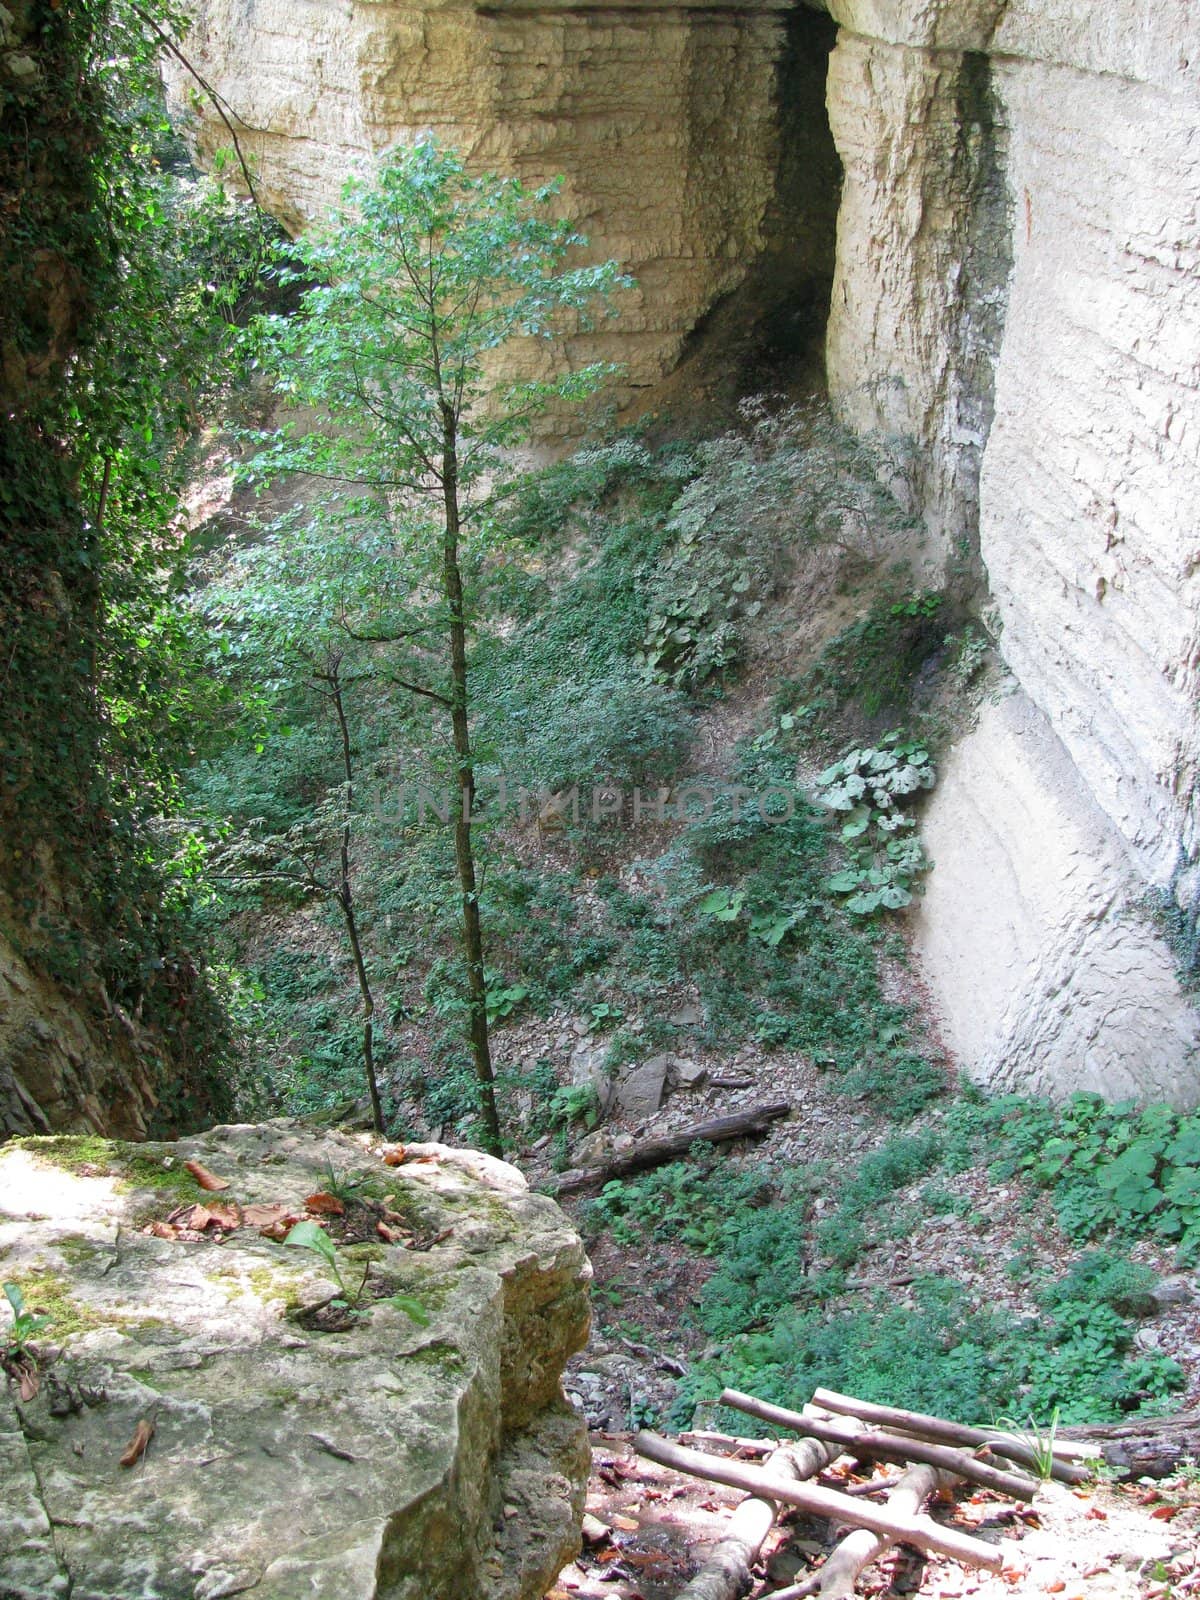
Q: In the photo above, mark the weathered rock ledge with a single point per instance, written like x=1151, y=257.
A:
x=387, y=1459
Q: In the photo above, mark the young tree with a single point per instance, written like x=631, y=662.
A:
x=420, y=280
x=273, y=617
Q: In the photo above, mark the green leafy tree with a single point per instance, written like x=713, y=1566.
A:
x=413, y=290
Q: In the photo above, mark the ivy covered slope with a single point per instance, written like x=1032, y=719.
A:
x=107, y=1020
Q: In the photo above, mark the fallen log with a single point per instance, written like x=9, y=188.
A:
x=1066, y=1468
x=727, y=1573
x=921, y=1532
x=1150, y=1447
x=755, y=1120
x=856, y=1437
x=837, y=1578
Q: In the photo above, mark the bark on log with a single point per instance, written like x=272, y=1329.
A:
x=654, y=1152
x=921, y=1532
x=855, y=1436
x=943, y=1432
x=837, y=1578
x=728, y=1571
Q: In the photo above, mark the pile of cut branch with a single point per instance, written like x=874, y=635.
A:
x=935, y=1456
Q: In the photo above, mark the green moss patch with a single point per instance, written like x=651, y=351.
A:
x=49, y=1295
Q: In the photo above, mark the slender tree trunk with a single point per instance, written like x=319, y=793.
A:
x=345, y=900
x=472, y=931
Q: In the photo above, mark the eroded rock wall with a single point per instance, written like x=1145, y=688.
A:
x=60, y=1070
x=1018, y=296
x=661, y=119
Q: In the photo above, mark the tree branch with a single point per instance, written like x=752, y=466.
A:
x=416, y=688
x=218, y=101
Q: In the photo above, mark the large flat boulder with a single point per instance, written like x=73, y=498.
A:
x=343, y=1452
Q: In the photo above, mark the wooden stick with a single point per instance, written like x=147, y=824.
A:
x=1152, y=1447
x=876, y=1485
x=853, y=1435
x=837, y=1578
x=654, y=1152
x=727, y=1573
x=938, y=1429
x=921, y=1532
x=725, y=1444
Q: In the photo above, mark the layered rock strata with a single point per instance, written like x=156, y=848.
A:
x=662, y=120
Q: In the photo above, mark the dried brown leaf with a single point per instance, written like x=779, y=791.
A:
x=325, y=1205
x=206, y=1179
x=280, y=1228
x=138, y=1445
x=30, y=1383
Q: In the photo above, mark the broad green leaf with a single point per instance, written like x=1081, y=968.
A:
x=406, y=1303
x=310, y=1236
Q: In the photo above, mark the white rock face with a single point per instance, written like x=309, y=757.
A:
x=1051, y=972
x=1018, y=294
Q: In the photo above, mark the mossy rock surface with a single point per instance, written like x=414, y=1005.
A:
x=372, y=1461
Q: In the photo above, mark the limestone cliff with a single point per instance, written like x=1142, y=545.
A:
x=1015, y=298
x=664, y=121
x=1017, y=292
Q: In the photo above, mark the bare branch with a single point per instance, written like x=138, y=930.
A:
x=219, y=103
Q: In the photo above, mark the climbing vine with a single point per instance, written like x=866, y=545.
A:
x=117, y=281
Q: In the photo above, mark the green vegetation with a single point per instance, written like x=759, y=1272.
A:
x=110, y=356
x=46, y=1298
x=1038, y=1438
x=420, y=280
x=737, y=903
x=1111, y=1168
x=871, y=786
x=22, y=1325
x=355, y=1302
x=777, y=1302
x=790, y=479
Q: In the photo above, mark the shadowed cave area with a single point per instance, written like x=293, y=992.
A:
x=769, y=333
